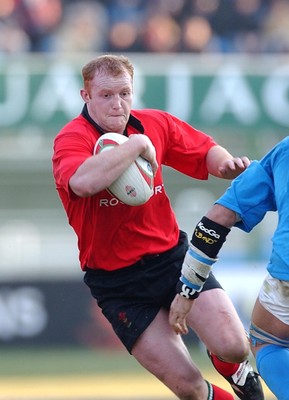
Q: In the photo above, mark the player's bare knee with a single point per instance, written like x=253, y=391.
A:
x=235, y=352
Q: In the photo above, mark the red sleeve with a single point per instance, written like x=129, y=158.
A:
x=187, y=149
x=71, y=149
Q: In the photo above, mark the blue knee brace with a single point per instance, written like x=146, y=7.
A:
x=273, y=365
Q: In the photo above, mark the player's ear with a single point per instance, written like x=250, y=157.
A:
x=85, y=95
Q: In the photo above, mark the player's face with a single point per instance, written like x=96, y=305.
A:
x=109, y=101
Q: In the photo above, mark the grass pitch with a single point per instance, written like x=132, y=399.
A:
x=86, y=374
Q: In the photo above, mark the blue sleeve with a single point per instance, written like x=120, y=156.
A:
x=251, y=195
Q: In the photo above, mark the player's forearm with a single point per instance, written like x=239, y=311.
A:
x=222, y=215
x=207, y=240
x=216, y=157
x=222, y=164
x=101, y=170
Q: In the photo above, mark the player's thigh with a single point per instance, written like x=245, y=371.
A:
x=164, y=353
x=272, y=327
x=266, y=321
x=215, y=320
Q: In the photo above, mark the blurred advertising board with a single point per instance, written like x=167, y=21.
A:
x=52, y=313
x=249, y=92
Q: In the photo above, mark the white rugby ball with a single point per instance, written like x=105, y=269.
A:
x=134, y=186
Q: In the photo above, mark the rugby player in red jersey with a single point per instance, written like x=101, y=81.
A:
x=132, y=256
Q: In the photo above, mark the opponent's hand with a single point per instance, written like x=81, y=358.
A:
x=179, y=310
x=231, y=168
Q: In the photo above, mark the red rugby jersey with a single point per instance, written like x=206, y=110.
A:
x=112, y=235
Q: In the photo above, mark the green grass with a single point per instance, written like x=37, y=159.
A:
x=80, y=361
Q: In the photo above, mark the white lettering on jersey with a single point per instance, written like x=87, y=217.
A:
x=159, y=189
x=104, y=202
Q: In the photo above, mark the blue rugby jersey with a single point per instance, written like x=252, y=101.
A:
x=263, y=187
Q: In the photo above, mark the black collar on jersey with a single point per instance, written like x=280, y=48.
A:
x=133, y=121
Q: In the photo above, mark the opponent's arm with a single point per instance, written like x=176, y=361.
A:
x=207, y=240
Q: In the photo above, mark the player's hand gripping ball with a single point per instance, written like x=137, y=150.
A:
x=134, y=186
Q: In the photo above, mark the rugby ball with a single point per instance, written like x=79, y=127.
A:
x=134, y=186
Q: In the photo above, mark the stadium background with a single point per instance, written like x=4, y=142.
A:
x=220, y=65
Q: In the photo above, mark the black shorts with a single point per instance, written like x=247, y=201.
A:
x=131, y=297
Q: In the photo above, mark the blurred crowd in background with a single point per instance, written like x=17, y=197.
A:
x=162, y=26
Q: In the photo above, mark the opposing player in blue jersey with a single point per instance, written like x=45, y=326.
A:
x=263, y=187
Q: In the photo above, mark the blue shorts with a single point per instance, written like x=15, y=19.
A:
x=131, y=297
